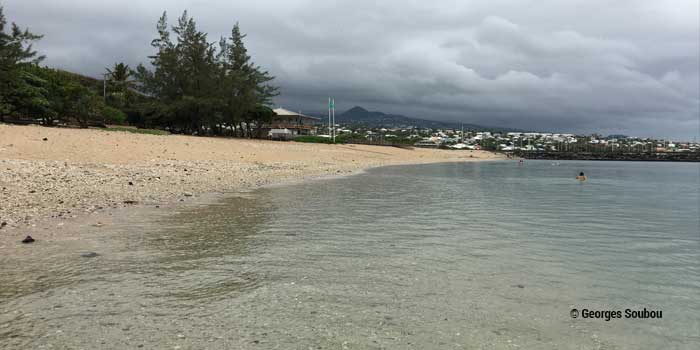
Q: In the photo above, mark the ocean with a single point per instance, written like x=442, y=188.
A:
x=488, y=255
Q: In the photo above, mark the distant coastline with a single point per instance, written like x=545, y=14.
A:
x=610, y=156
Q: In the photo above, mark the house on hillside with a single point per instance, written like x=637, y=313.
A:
x=286, y=125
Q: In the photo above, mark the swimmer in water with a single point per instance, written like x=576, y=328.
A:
x=581, y=177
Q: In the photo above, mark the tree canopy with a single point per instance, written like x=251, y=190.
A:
x=18, y=90
x=199, y=87
x=190, y=85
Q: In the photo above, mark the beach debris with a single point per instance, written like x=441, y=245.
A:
x=130, y=202
x=187, y=194
x=98, y=224
x=89, y=255
x=3, y=224
x=45, y=139
x=131, y=183
x=28, y=240
x=521, y=286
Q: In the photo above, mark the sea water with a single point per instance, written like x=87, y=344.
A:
x=491, y=255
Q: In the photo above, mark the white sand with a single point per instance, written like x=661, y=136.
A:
x=76, y=172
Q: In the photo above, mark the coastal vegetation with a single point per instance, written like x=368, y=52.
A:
x=313, y=139
x=134, y=130
x=30, y=93
x=190, y=85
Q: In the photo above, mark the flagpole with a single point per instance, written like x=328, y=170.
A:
x=329, y=117
x=333, y=120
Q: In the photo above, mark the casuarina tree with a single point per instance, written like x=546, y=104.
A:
x=16, y=50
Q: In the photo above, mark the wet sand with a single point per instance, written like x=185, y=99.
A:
x=50, y=175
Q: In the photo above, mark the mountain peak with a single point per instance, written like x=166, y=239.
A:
x=356, y=109
x=356, y=112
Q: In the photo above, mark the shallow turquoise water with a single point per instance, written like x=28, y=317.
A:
x=447, y=256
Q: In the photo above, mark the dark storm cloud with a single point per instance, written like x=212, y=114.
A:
x=612, y=66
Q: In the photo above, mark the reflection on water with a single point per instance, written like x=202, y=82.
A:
x=490, y=255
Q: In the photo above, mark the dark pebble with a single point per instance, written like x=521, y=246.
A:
x=28, y=240
x=89, y=255
x=521, y=286
x=45, y=139
x=131, y=183
x=130, y=202
x=3, y=224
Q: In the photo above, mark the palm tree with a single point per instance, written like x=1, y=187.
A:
x=120, y=76
x=120, y=83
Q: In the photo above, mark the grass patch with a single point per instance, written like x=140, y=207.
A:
x=313, y=139
x=138, y=131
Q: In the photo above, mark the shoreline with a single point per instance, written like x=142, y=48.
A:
x=53, y=179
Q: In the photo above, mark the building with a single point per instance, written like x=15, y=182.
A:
x=287, y=125
x=281, y=134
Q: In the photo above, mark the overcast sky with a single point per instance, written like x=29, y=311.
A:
x=617, y=66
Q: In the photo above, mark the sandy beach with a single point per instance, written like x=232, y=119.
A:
x=51, y=175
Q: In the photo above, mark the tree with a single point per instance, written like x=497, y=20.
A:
x=245, y=85
x=15, y=50
x=184, y=78
x=119, y=76
x=29, y=97
x=262, y=115
x=85, y=106
x=120, y=85
x=196, y=88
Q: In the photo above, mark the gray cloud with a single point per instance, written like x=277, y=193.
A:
x=624, y=66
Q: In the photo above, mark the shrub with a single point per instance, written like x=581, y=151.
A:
x=112, y=115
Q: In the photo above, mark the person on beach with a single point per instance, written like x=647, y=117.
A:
x=581, y=177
